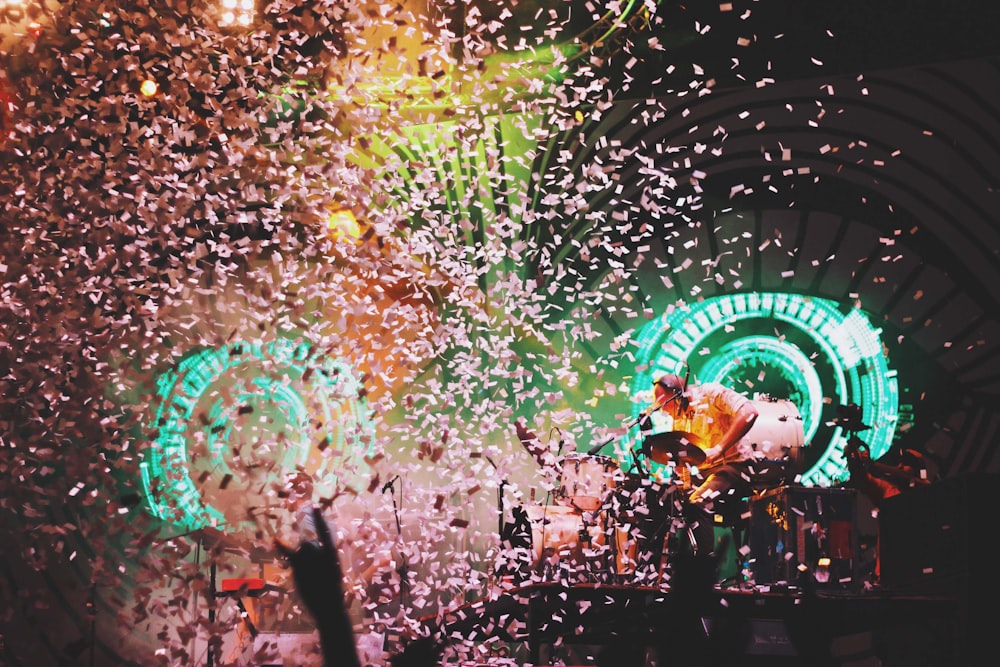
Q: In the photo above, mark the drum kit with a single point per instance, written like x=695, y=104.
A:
x=609, y=526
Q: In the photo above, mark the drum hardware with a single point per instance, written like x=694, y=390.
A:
x=908, y=472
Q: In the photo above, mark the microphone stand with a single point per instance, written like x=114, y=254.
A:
x=210, y=658
x=635, y=458
x=503, y=483
x=599, y=446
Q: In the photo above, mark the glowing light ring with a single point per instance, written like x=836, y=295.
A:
x=284, y=397
x=791, y=363
x=170, y=492
x=861, y=374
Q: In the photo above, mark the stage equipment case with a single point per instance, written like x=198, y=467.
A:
x=798, y=532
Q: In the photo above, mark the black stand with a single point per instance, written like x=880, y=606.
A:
x=404, y=568
x=92, y=617
x=210, y=659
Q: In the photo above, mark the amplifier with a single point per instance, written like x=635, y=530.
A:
x=798, y=531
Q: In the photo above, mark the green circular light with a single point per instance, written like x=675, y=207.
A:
x=781, y=356
x=231, y=420
x=849, y=344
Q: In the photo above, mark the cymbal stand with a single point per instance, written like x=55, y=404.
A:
x=404, y=568
x=500, y=489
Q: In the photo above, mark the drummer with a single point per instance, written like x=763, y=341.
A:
x=717, y=417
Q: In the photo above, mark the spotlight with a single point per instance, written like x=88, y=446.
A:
x=149, y=88
x=822, y=572
x=342, y=225
x=237, y=12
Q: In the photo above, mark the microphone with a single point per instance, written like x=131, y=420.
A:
x=650, y=410
x=388, y=485
x=599, y=446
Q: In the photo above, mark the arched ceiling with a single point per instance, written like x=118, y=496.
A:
x=877, y=189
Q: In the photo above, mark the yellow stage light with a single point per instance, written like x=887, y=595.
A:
x=342, y=225
x=149, y=88
x=237, y=12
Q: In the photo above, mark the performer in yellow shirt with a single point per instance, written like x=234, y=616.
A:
x=715, y=418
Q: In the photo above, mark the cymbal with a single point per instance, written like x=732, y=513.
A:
x=674, y=447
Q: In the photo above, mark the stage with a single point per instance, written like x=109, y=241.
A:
x=932, y=605
x=625, y=625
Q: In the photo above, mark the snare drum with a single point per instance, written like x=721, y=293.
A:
x=586, y=481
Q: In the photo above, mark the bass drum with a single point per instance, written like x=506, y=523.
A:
x=777, y=434
x=564, y=546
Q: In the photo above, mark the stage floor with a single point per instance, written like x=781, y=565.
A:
x=625, y=625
